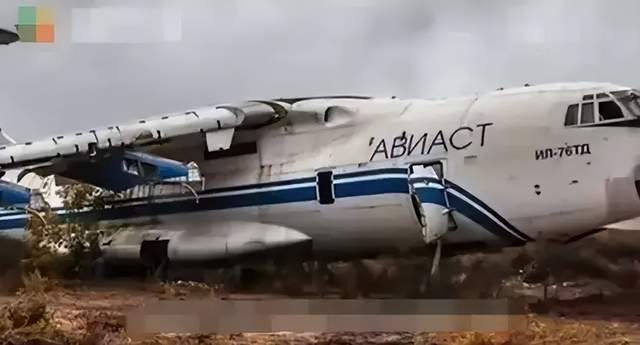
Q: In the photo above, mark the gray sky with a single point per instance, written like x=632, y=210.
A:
x=239, y=49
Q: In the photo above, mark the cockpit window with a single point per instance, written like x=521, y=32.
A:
x=609, y=110
x=609, y=107
x=572, y=115
x=587, y=113
x=620, y=94
x=629, y=99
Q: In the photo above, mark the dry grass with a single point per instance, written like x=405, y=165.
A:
x=538, y=332
x=183, y=289
x=28, y=320
x=570, y=332
x=36, y=284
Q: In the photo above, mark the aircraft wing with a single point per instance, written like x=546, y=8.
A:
x=92, y=156
x=215, y=123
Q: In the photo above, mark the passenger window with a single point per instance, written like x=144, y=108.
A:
x=587, y=97
x=609, y=110
x=572, y=115
x=587, y=113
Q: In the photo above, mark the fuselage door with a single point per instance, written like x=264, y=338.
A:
x=430, y=200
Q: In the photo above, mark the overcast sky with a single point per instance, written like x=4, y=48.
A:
x=231, y=50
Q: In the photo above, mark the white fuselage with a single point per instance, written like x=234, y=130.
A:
x=516, y=173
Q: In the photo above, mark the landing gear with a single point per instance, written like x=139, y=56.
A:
x=431, y=283
x=435, y=265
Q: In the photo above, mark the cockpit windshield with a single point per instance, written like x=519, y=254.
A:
x=630, y=99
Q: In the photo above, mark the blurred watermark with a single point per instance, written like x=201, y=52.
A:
x=126, y=25
x=325, y=315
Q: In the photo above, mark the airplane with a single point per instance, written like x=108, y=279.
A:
x=329, y=178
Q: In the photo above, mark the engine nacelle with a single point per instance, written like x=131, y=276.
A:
x=126, y=169
x=223, y=240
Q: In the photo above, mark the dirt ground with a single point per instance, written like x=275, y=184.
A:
x=96, y=315
x=598, y=302
x=79, y=312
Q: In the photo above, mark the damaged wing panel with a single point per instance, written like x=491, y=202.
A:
x=143, y=132
x=217, y=123
x=112, y=157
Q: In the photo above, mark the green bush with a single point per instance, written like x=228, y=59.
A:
x=65, y=248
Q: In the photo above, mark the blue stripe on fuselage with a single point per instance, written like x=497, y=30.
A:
x=372, y=187
x=488, y=209
x=13, y=223
x=371, y=172
x=212, y=203
x=459, y=205
x=365, y=183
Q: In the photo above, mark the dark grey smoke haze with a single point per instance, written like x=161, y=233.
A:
x=238, y=49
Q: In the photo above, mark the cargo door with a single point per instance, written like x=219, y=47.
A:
x=430, y=200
